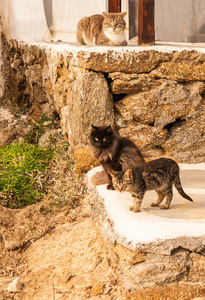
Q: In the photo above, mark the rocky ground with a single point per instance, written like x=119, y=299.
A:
x=59, y=257
x=56, y=251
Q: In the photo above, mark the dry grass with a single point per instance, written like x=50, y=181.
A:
x=65, y=187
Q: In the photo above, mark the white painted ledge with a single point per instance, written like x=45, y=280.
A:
x=183, y=219
x=119, y=50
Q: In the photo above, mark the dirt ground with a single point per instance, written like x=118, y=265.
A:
x=57, y=255
x=60, y=255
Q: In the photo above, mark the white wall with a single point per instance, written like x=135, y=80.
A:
x=179, y=20
x=24, y=20
x=67, y=13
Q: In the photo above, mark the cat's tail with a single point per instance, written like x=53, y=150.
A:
x=180, y=190
x=99, y=178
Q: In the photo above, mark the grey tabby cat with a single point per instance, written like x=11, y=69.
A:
x=158, y=175
x=106, y=29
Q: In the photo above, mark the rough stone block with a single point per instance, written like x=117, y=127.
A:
x=144, y=136
x=83, y=160
x=186, y=142
x=90, y=102
x=163, y=105
x=197, y=270
x=132, y=83
x=129, y=256
x=119, y=61
x=180, y=71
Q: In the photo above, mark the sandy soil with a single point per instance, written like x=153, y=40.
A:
x=58, y=255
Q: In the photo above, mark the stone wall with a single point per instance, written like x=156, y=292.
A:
x=2, y=81
x=153, y=95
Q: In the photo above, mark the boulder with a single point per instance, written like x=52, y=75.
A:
x=62, y=89
x=144, y=135
x=124, y=59
x=163, y=105
x=128, y=256
x=84, y=160
x=157, y=270
x=180, y=71
x=90, y=102
x=123, y=83
x=186, y=140
x=147, y=139
x=62, y=86
x=185, y=66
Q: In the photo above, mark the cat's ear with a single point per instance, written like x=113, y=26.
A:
x=94, y=127
x=105, y=14
x=123, y=14
x=128, y=174
x=109, y=129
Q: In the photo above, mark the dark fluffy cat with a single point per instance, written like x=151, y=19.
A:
x=113, y=152
x=158, y=175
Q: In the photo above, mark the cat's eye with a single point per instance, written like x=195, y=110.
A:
x=104, y=139
x=96, y=139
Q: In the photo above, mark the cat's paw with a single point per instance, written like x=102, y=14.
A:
x=154, y=204
x=124, y=43
x=110, y=187
x=164, y=207
x=112, y=43
x=134, y=209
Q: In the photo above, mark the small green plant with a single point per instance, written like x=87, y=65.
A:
x=30, y=173
x=22, y=168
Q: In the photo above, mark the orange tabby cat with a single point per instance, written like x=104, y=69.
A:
x=106, y=29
